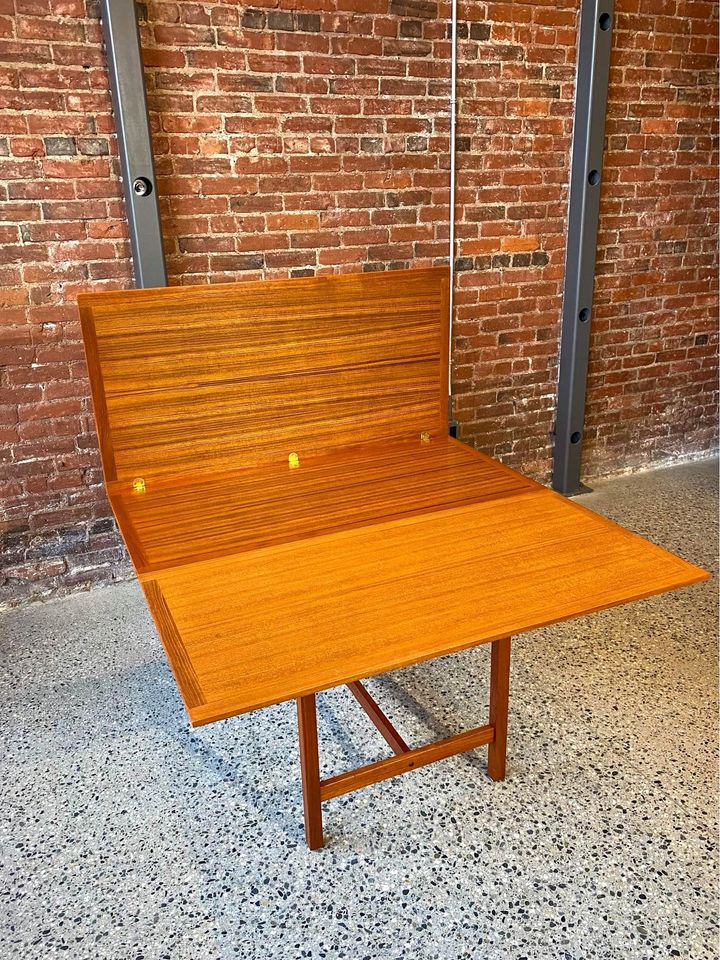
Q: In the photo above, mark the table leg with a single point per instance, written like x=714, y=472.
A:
x=499, y=692
x=310, y=767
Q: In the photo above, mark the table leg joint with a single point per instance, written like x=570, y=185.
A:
x=316, y=791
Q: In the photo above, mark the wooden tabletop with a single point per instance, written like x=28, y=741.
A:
x=381, y=549
x=270, y=584
x=201, y=516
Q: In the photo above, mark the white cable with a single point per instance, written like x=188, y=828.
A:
x=451, y=244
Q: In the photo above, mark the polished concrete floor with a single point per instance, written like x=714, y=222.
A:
x=124, y=835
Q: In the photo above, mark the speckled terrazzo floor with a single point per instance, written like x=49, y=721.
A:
x=125, y=835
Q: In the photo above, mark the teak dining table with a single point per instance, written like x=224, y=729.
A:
x=277, y=459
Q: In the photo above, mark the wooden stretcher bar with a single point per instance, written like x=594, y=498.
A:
x=316, y=790
x=277, y=459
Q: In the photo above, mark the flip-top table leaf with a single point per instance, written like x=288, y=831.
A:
x=276, y=457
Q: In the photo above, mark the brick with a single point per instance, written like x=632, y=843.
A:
x=60, y=146
x=93, y=146
x=411, y=29
x=480, y=31
x=40, y=570
x=519, y=244
x=280, y=20
x=253, y=19
x=414, y=8
x=307, y=22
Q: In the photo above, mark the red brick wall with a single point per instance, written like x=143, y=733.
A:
x=652, y=390
x=293, y=141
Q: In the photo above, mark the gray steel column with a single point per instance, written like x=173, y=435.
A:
x=591, y=88
x=127, y=84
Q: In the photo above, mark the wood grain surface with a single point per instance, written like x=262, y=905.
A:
x=411, y=760
x=310, y=770
x=226, y=376
x=177, y=521
x=283, y=621
x=378, y=717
